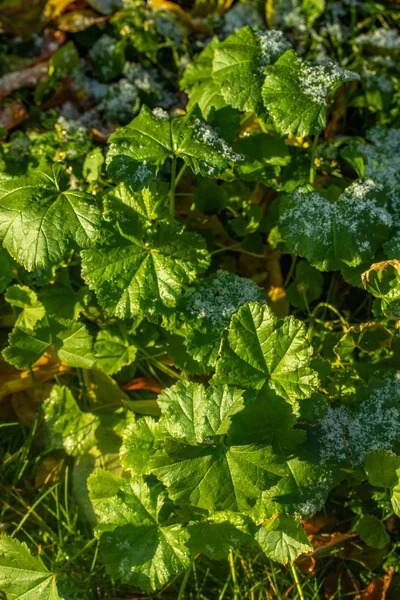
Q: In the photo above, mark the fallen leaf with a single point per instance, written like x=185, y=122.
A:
x=378, y=587
x=193, y=24
x=143, y=383
x=47, y=470
x=12, y=114
x=28, y=77
x=316, y=524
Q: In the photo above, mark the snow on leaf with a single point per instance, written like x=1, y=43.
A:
x=332, y=235
x=295, y=93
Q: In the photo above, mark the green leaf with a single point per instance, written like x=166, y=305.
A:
x=197, y=81
x=92, y=164
x=372, y=532
x=32, y=311
x=137, y=547
x=262, y=153
x=306, y=287
x=194, y=413
x=108, y=57
x=259, y=347
x=139, y=149
x=26, y=347
x=382, y=280
x=113, y=348
x=71, y=339
x=380, y=467
x=138, y=445
x=346, y=436
x=332, y=235
x=304, y=489
x=239, y=63
x=40, y=217
x=215, y=476
x=295, y=93
x=6, y=270
x=73, y=343
x=205, y=310
x=23, y=575
x=265, y=417
x=66, y=425
x=145, y=267
x=395, y=496
x=216, y=535
x=283, y=539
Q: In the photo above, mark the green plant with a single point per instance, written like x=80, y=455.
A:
x=197, y=292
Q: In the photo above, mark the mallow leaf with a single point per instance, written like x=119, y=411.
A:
x=195, y=413
x=258, y=347
x=114, y=348
x=382, y=280
x=137, y=545
x=205, y=310
x=332, y=235
x=295, y=92
x=145, y=265
x=239, y=63
x=6, y=269
x=215, y=476
x=139, y=444
x=139, y=149
x=66, y=425
x=41, y=217
x=198, y=82
x=372, y=532
x=381, y=468
x=283, y=539
x=71, y=339
x=23, y=575
x=216, y=535
x=32, y=310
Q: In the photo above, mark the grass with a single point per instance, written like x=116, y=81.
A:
x=39, y=507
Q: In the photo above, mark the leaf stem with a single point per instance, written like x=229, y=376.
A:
x=184, y=583
x=179, y=176
x=172, y=188
x=297, y=581
x=312, y=164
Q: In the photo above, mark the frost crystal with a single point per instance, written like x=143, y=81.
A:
x=272, y=44
x=382, y=157
x=387, y=39
x=239, y=16
x=347, y=436
x=313, y=216
x=160, y=114
x=317, y=81
x=209, y=136
x=221, y=296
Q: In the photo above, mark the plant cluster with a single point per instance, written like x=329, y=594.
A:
x=200, y=269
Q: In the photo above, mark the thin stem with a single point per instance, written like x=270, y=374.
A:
x=184, y=583
x=333, y=309
x=225, y=248
x=233, y=572
x=290, y=273
x=179, y=176
x=172, y=189
x=297, y=581
x=312, y=165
